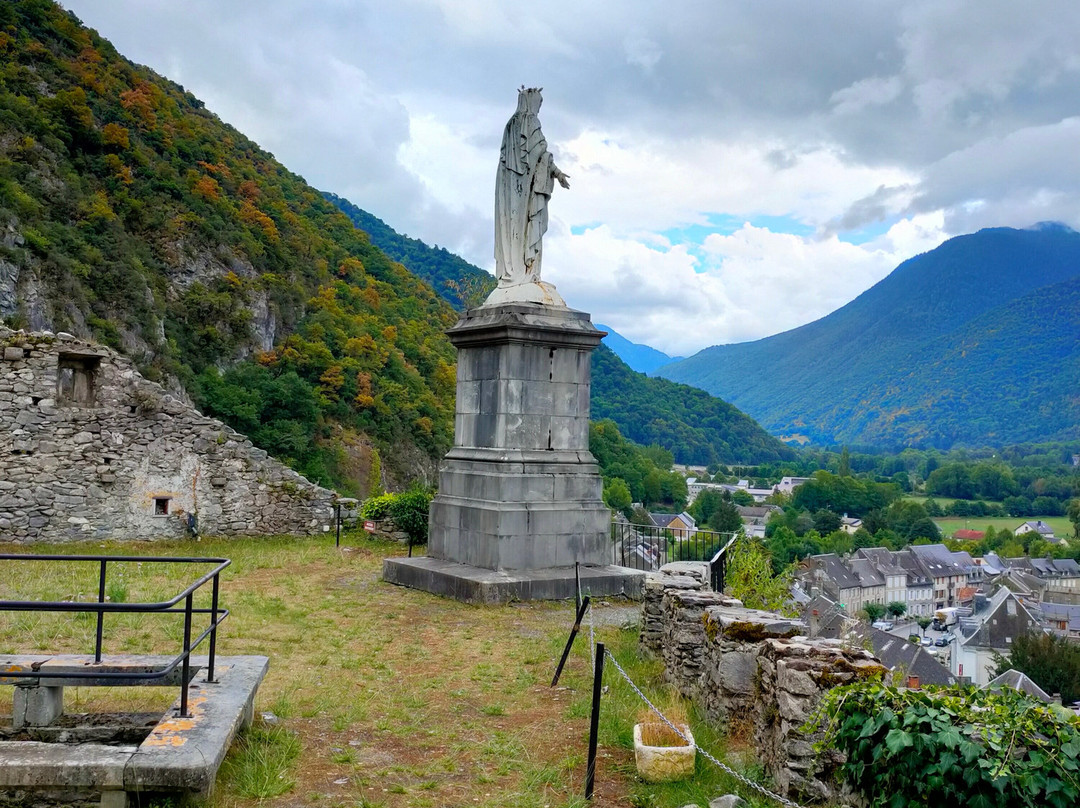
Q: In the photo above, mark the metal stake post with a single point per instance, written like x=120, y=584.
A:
x=570, y=639
x=594, y=721
x=577, y=584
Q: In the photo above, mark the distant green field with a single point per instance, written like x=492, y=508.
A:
x=949, y=524
x=943, y=501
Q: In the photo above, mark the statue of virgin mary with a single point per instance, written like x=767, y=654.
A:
x=523, y=186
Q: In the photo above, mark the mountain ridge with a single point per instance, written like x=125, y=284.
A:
x=637, y=355
x=819, y=379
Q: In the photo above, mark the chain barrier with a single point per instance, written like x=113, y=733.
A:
x=742, y=779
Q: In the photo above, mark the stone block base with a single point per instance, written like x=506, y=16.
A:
x=479, y=585
x=36, y=705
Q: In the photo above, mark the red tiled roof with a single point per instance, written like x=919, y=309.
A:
x=974, y=535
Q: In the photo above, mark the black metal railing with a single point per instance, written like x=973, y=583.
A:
x=645, y=547
x=101, y=607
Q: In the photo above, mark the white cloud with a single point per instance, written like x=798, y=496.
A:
x=743, y=286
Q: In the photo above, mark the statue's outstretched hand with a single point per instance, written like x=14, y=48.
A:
x=563, y=179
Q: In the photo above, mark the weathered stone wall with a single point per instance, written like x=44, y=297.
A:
x=752, y=671
x=387, y=530
x=89, y=449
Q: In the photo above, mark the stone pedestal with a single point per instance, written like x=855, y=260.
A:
x=519, y=498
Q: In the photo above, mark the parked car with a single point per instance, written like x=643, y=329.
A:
x=884, y=625
x=926, y=642
x=941, y=642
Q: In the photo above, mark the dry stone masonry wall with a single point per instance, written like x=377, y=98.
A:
x=752, y=671
x=89, y=449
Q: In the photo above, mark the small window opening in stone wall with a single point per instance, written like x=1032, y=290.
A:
x=75, y=377
x=161, y=506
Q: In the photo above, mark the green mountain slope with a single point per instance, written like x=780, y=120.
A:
x=458, y=281
x=130, y=213
x=933, y=355
x=695, y=427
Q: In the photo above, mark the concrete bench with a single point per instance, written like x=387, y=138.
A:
x=179, y=755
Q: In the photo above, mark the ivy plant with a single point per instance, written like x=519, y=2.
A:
x=951, y=747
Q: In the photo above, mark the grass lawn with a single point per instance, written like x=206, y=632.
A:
x=386, y=696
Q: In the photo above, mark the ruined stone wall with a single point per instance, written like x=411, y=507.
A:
x=753, y=672
x=89, y=449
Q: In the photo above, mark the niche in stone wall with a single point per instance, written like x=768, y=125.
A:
x=75, y=376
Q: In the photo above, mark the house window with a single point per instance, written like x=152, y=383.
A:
x=161, y=506
x=75, y=376
x=1010, y=606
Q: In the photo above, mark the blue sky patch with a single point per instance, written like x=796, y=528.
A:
x=725, y=224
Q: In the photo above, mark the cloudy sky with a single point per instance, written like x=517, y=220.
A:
x=737, y=168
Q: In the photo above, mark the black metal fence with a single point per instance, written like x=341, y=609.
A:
x=101, y=607
x=645, y=547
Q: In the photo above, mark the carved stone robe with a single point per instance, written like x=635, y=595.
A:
x=523, y=185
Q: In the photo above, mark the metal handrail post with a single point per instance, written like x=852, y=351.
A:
x=101, y=613
x=186, y=667
x=213, y=631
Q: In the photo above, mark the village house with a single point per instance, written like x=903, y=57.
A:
x=827, y=573
x=787, y=485
x=849, y=524
x=896, y=577
x=871, y=582
x=1044, y=579
x=920, y=584
x=755, y=518
x=991, y=629
x=1061, y=618
x=682, y=525
x=1037, y=526
x=950, y=573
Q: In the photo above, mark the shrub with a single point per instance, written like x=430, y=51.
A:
x=377, y=507
x=410, y=513
x=951, y=747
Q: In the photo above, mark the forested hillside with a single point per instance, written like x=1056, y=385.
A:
x=694, y=426
x=130, y=213
x=972, y=343
x=462, y=284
